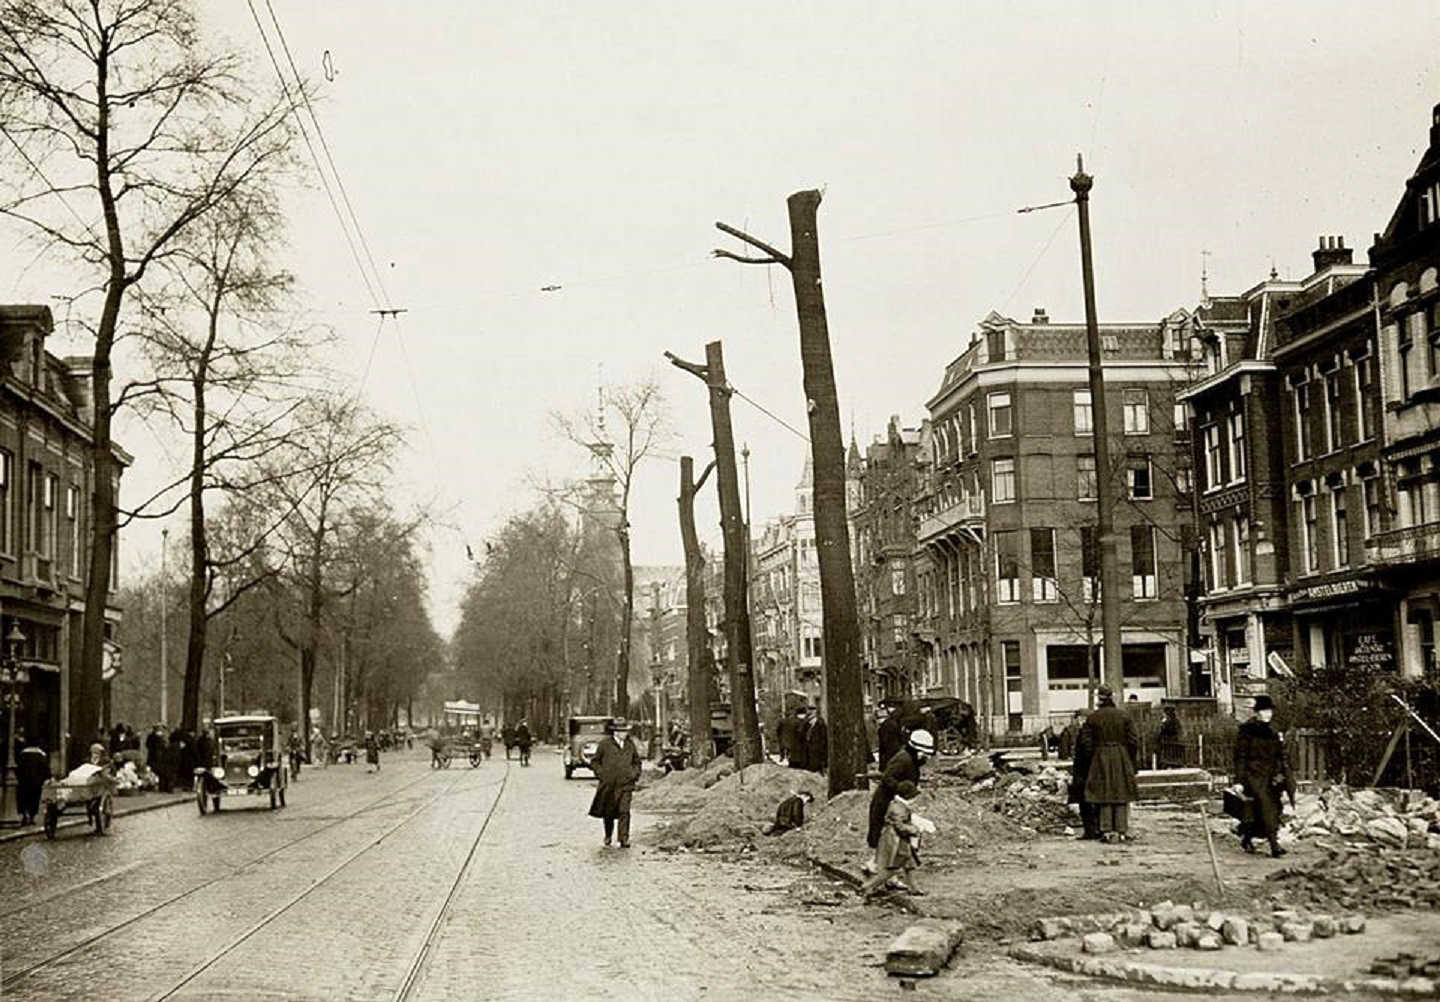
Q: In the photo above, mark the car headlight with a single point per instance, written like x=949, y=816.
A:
x=217, y=772
x=253, y=771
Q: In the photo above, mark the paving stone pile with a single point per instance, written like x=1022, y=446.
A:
x=1366, y=877
x=1407, y=965
x=1396, y=818
x=1169, y=926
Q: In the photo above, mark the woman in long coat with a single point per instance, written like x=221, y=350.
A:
x=1262, y=769
x=1112, y=746
x=616, y=764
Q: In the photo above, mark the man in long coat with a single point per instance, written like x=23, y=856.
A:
x=903, y=767
x=1079, y=773
x=890, y=734
x=788, y=733
x=617, y=767
x=1112, y=746
x=817, y=742
x=1262, y=769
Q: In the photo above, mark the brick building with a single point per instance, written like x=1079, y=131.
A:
x=46, y=482
x=1010, y=603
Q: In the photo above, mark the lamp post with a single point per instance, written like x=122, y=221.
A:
x=10, y=675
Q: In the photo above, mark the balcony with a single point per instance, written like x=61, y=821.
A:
x=1412, y=544
x=964, y=517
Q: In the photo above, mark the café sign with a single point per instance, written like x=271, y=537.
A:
x=1330, y=589
x=1373, y=649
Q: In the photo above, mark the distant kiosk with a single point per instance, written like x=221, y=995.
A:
x=460, y=713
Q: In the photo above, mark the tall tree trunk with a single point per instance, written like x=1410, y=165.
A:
x=849, y=747
x=199, y=542
x=700, y=679
x=622, y=669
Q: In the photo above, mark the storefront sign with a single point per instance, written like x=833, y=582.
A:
x=1330, y=589
x=1374, y=649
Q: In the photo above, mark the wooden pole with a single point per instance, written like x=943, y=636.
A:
x=1210, y=844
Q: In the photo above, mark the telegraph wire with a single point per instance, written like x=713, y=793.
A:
x=768, y=413
x=1038, y=258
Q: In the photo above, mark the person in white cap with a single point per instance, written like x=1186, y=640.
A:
x=903, y=766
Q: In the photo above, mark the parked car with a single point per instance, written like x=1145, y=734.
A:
x=584, y=737
x=250, y=761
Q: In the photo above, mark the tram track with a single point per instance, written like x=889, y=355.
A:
x=295, y=899
x=13, y=978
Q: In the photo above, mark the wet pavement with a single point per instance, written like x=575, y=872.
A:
x=413, y=883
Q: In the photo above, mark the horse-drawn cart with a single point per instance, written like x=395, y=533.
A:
x=96, y=792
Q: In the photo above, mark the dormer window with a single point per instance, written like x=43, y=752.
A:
x=1429, y=205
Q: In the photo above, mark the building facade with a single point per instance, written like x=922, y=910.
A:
x=1010, y=601
x=46, y=485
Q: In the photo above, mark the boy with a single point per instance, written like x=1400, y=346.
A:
x=899, y=840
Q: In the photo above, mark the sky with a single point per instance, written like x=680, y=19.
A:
x=492, y=149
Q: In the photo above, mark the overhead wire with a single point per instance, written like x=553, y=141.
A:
x=768, y=413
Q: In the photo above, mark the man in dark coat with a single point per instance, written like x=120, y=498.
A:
x=1071, y=734
x=788, y=733
x=1262, y=770
x=155, y=757
x=32, y=768
x=1168, y=750
x=817, y=742
x=890, y=735
x=617, y=768
x=507, y=735
x=790, y=813
x=1079, y=773
x=903, y=766
x=522, y=741
x=1110, y=743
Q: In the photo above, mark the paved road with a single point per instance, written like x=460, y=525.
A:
x=351, y=893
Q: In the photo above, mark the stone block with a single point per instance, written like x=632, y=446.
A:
x=1185, y=913
x=1283, y=915
x=1132, y=934
x=1186, y=933
x=1352, y=924
x=1098, y=942
x=1325, y=926
x=1215, y=921
x=1049, y=928
x=1235, y=931
x=1159, y=939
x=1208, y=941
x=1418, y=986
x=924, y=948
x=1297, y=932
x=1270, y=942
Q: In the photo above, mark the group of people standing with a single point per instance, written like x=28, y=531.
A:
x=804, y=739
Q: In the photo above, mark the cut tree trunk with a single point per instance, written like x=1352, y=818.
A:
x=700, y=678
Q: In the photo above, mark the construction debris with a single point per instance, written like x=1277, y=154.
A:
x=1396, y=818
x=1365, y=876
x=923, y=949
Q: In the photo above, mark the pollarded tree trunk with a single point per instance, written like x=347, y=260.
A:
x=700, y=677
x=849, y=747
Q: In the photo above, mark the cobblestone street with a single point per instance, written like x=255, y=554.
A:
x=351, y=893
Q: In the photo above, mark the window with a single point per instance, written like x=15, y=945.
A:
x=72, y=514
x=810, y=646
x=1007, y=566
x=1086, y=485
x=1183, y=486
x=1043, y=585
x=1089, y=563
x=1309, y=544
x=1142, y=561
x=1002, y=480
x=48, y=499
x=1214, y=476
x=972, y=438
x=1084, y=417
x=1434, y=337
x=1364, y=387
x=1000, y=416
x=1137, y=473
x=1370, y=490
x=901, y=630
x=1339, y=528
x=1137, y=412
x=7, y=520
x=1403, y=349
x=1014, y=687
x=1218, y=581
x=1237, y=445
x=1334, y=437
x=1302, y=422
x=897, y=582
x=1242, y=549
x=1181, y=419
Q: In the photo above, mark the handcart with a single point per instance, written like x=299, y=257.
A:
x=96, y=793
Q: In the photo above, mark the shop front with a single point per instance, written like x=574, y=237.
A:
x=1349, y=622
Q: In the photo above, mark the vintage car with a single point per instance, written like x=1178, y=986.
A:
x=584, y=737
x=250, y=761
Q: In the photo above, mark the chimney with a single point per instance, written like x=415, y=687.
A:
x=1332, y=251
x=1435, y=126
x=1040, y=317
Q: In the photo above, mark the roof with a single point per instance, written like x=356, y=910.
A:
x=249, y=719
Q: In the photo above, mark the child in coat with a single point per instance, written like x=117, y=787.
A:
x=897, y=854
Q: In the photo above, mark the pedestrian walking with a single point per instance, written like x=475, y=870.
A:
x=817, y=741
x=1111, y=745
x=507, y=735
x=903, y=767
x=616, y=764
x=898, y=853
x=372, y=752
x=522, y=741
x=890, y=735
x=789, y=735
x=1262, y=772
x=32, y=768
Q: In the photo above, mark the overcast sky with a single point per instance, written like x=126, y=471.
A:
x=491, y=149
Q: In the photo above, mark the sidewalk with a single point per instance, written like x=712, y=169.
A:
x=132, y=803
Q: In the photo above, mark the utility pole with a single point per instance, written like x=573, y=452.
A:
x=737, y=600
x=1081, y=184
x=164, y=633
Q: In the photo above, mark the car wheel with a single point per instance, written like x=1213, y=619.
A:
x=200, y=800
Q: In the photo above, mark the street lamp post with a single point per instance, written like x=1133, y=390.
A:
x=10, y=675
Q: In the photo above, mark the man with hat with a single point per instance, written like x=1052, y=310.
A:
x=1111, y=746
x=789, y=735
x=903, y=766
x=1262, y=770
x=617, y=767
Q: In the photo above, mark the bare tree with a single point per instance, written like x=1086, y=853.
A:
x=700, y=677
x=844, y=684
x=641, y=421
x=126, y=133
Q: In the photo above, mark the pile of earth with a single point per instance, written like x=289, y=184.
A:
x=1036, y=800
x=736, y=807
x=1398, y=819
x=685, y=789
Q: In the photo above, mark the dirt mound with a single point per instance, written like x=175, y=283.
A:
x=733, y=809
x=683, y=790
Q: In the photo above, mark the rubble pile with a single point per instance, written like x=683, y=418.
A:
x=1366, y=877
x=736, y=807
x=684, y=789
x=1396, y=819
x=1036, y=800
